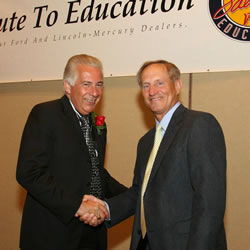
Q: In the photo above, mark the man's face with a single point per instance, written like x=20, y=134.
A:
x=159, y=92
x=87, y=90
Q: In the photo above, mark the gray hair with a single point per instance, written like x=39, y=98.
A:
x=70, y=73
x=173, y=72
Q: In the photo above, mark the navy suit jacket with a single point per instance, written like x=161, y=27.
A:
x=184, y=200
x=55, y=168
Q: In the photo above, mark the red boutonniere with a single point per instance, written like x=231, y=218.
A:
x=99, y=122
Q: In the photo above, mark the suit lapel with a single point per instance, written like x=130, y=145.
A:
x=73, y=122
x=172, y=130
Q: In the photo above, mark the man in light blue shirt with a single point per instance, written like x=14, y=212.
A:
x=181, y=204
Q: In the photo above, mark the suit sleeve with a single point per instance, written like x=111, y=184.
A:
x=33, y=172
x=207, y=162
x=112, y=186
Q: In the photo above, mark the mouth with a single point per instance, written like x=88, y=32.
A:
x=155, y=99
x=90, y=101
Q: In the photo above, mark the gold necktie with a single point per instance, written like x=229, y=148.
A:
x=158, y=137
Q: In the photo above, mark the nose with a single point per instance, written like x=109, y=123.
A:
x=152, y=90
x=94, y=90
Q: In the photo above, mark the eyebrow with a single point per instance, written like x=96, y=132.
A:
x=92, y=82
x=157, y=80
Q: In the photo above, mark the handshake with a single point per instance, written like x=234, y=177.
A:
x=92, y=211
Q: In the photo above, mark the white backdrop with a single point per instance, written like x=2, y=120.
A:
x=37, y=37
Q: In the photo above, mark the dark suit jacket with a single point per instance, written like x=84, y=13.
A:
x=185, y=197
x=54, y=167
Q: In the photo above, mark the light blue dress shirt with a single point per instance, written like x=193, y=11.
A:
x=166, y=119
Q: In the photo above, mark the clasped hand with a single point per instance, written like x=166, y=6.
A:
x=92, y=211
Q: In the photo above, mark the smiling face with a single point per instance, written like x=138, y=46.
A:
x=159, y=92
x=87, y=89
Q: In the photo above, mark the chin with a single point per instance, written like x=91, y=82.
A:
x=155, y=108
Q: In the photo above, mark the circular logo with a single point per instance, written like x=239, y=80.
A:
x=232, y=17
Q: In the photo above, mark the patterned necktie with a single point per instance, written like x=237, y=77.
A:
x=158, y=137
x=95, y=183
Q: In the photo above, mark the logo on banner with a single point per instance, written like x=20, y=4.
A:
x=232, y=17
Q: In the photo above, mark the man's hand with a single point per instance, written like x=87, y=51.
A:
x=92, y=211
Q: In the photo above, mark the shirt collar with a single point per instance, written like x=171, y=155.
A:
x=77, y=113
x=167, y=117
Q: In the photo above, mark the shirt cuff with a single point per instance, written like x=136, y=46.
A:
x=107, y=206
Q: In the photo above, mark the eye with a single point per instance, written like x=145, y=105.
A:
x=159, y=84
x=145, y=86
x=86, y=84
x=99, y=85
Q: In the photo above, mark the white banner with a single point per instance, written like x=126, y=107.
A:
x=38, y=37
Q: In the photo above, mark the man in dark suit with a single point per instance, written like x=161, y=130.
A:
x=178, y=201
x=61, y=158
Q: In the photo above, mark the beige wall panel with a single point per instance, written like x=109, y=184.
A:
x=226, y=95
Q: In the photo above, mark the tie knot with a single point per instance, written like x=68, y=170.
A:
x=158, y=128
x=85, y=120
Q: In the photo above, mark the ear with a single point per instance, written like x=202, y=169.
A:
x=178, y=86
x=67, y=88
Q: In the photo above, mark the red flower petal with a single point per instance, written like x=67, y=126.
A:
x=99, y=120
